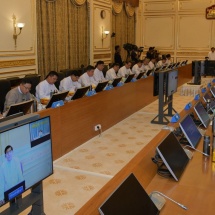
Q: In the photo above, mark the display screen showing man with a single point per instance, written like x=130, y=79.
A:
x=18, y=94
x=11, y=169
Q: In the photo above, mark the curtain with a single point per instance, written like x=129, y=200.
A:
x=63, y=41
x=124, y=27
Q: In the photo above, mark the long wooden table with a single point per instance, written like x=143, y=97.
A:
x=195, y=189
x=73, y=124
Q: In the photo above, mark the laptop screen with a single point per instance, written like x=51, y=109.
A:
x=202, y=114
x=173, y=155
x=190, y=131
x=129, y=198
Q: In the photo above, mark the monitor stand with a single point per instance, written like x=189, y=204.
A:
x=34, y=199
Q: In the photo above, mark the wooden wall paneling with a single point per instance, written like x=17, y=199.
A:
x=56, y=130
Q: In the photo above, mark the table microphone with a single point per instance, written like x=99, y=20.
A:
x=196, y=150
x=179, y=204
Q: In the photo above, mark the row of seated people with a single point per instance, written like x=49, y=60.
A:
x=91, y=77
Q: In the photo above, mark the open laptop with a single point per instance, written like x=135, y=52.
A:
x=57, y=97
x=140, y=75
x=173, y=156
x=13, y=116
x=129, y=198
x=150, y=71
x=80, y=92
x=100, y=86
x=116, y=81
x=129, y=78
x=212, y=90
x=212, y=102
x=190, y=131
x=202, y=114
x=23, y=107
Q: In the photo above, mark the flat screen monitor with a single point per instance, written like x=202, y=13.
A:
x=173, y=155
x=11, y=117
x=173, y=66
x=129, y=78
x=140, y=75
x=207, y=97
x=25, y=157
x=212, y=89
x=190, y=131
x=150, y=71
x=116, y=81
x=23, y=107
x=129, y=198
x=177, y=65
x=57, y=97
x=172, y=82
x=100, y=86
x=202, y=114
x=80, y=92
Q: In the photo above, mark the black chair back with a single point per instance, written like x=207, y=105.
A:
x=61, y=76
x=5, y=87
x=35, y=80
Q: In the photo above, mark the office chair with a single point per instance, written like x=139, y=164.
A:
x=5, y=87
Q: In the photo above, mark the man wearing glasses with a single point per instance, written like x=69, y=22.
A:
x=18, y=94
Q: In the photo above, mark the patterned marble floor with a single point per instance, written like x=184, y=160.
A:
x=79, y=174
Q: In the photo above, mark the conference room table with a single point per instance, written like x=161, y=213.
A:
x=195, y=189
x=74, y=123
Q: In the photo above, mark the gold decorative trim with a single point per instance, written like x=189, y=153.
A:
x=78, y=2
x=117, y=7
x=17, y=63
x=129, y=10
x=192, y=53
x=101, y=56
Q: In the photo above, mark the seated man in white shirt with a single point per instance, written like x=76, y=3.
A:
x=145, y=64
x=44, y=88
x=211, y=54
x=152, y=62
x=137, y=68
x=111, y=74
x=161, y=62
x=168, y=59
x=70, y=83
x=124, y=71
x=98, y=74
x=87, y=79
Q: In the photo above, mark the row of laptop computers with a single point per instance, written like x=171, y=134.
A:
x=130, y=197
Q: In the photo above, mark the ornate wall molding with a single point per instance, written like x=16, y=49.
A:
x=50, y=1
x=78, y=2
x=192, y=53
x=101, y=56
x=17, y=63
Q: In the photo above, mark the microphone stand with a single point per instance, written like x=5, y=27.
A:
x=179, y=204
x=196, y=150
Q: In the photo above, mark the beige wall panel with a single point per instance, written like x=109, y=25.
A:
x=194, y=32
x=24, y=11
x=194, y=5
x=161, y=35
x=159, y=7
x=98, y=24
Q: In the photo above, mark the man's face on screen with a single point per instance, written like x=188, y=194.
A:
x=9, y=154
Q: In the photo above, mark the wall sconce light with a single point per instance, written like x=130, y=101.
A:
x=15, y=26
x=104, y=34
